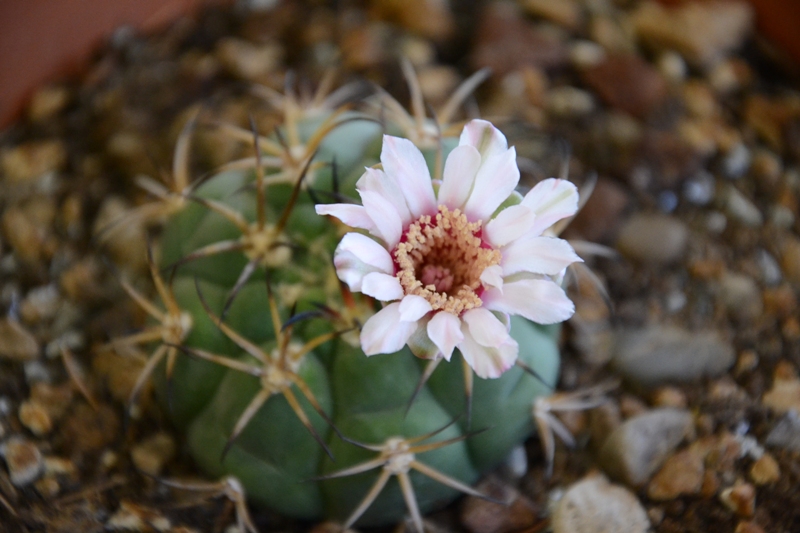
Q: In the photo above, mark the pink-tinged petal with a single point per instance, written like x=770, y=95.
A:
x=538, y=255
x=378, y=181
x=484, y=137
x=384, y=216
x=413, y=307
x=551, y=199
x=496, y=180
x=356, y=256
x=382, y=287
x=485, y=328
x=488, y=362
x=404, y=162
x=384, y=332
x=492, y=276
x=444, y=329
x=509, y=225
x=459, y=175
x=353, y=215
x=539, y=300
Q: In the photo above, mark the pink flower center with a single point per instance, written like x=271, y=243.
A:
x=441, y=258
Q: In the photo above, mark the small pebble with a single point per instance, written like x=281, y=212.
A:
x=736, y=161
x=703, y=32
x=641, y=444
x=482, y=516
x=653, y=238
x=132, y=517
x=30, y=161
x=151, y=455
x=741, y=295
x=682, y=474
x=669, y=397
x=746, y=526
x=700, y=188
x=249, y=61
x=34, y=417
x=24, y=460
x=769, y=267
x=594, y=505
x=785, y=392
x=569, y=102
x=789, y=252
x=786, y=433
x=17, y=343
x=47, y=487
x=741, y=208
x=660, y=354
x=627, y=82
x=741, y=499
x=566, y=13
x=765, y=470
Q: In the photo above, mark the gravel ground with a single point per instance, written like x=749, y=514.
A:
x=688, y=122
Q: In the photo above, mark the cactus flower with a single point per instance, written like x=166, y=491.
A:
x=453, y=259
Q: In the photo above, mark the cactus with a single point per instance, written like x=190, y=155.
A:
x=316, y=377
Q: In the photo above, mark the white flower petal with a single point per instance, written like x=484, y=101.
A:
x=444, y=329
x=384, y=332
x=404, y=162
x=421, y=344
x=413, y=307
x=484, y=137
x=539, y=300
x=492, y=276
x=495, y=181
x=538, y=255
x=353, y=215
x=380, y=286
x=459, y=175
x=488, y=362
x=551, y=199
x=356, y=256
x=376, y=180
x=384, y=216
x=485, y=328
x=509, y=225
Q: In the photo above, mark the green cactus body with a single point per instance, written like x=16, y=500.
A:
x=276, y=456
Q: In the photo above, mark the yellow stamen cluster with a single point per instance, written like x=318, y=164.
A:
x=441, y=259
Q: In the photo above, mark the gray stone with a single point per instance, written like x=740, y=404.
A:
x=741, y=295
x=637, y=448
x=661, y=354
x=653, y=238
x=786, y=433
x=593, y=505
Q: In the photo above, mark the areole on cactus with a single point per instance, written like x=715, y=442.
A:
x=271, y=309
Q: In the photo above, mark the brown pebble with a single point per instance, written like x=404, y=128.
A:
x=702, y=31
x=765, y=470
x=133, y=517
x=682, y=474
x=34, y=417
x=710, y=485
x=48, y=101
x=505, y=42
x=48, y=487
x=55, y=399
x=86, y=430
x=24, y=461
x=741, y=499
x=785, y=391
x=29, y=161
x=790, y=259
x=16, y=342
x=745, y=526
x=151, y=455
x=627, y=82
x=669, y=397
x=483, y=516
